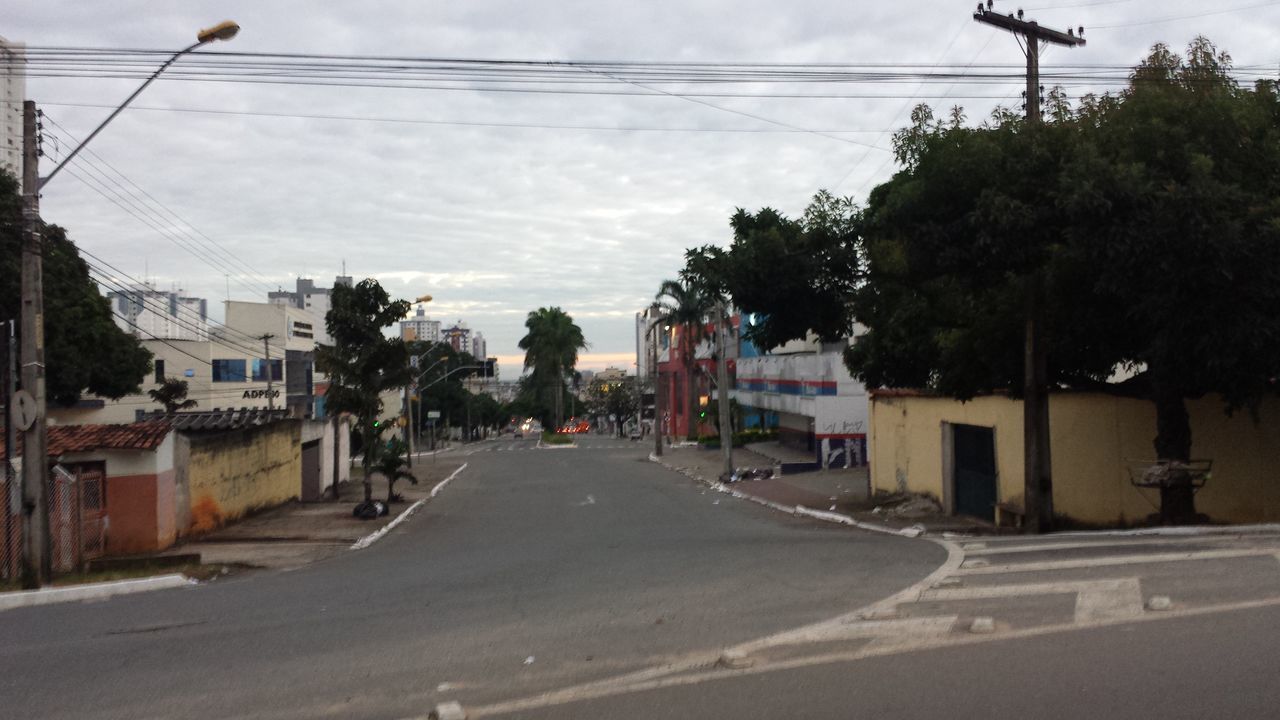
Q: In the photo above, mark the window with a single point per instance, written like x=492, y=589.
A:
x=260, y=372
x=159, y=371
x=229, y=370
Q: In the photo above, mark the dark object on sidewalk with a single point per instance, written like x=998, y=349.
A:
x=370, y=510
x=742, y=474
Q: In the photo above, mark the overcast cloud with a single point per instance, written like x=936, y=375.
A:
x=497, y=221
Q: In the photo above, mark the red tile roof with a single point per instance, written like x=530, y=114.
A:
x=63, y=439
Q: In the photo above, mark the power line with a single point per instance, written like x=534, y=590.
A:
x=230, y=259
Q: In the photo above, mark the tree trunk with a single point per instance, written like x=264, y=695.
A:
x=366, y=460
x=1173, y=443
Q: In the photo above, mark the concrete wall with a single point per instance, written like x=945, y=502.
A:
x=237, y=471
x=1094, y=439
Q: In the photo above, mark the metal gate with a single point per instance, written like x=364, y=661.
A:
x=311, y=471
x=975, y=470
x=77, y=514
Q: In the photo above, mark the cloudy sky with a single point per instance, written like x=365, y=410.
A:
x=497, y=203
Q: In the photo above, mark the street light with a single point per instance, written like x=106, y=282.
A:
x=222, y=31
x=36, y=547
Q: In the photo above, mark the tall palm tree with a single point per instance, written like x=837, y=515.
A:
x=685, y=304
x=551, y=349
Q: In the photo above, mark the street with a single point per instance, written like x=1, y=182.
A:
x=589, y=582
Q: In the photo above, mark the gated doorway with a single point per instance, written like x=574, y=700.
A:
x=77, y=514
x=311, y=471
x=974, y=470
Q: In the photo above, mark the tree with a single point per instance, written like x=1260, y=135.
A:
x=85, y=351
x=551, y=348
x=618, y=398
x=172, y=394
x=685, y=303
x=1152, y=217
x=796, y=275
x=362, y=363
x=390, y=465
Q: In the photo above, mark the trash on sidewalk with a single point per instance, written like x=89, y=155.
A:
x=744, y=474
x=370, y=510
x=907, y=506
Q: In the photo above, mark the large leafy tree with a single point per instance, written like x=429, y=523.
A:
x=362, y=363
x=619, y=398
x=686, y=303
x=85, y=351
x=795, y=274
x=551, y=348
x=1152, y=217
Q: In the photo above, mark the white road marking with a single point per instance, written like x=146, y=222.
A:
x=658, y=678
x=1080, y=563
x=983, y=549
x=373, y=537
x=591, y=500
x=1096, y=600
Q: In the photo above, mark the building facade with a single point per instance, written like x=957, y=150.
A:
x=420, y=328
x=458, y=336
x=479, y=348
x=147, y=312
x=311, y=298
x=13, y=91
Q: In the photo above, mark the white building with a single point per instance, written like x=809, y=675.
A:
x=479, y=348
x=420, y=328
x=315, y=300
x=13, y=91
x=231, y=368
x=147, y=312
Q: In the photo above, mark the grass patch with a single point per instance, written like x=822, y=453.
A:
x=550, y=438
x=194, y=570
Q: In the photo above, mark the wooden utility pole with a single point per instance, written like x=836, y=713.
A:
x=722, y=391
x=36, y=554
x=1038, y=478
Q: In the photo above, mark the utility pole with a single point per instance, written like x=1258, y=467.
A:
x=266, y=348
x=722, y=380
x=13, y=492
x=1038, y=478
x=36, y=567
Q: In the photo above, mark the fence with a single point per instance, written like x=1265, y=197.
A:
x=10, y=526
x=77, y=523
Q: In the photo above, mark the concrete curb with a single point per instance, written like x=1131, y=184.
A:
x=568, y=446
x=91, y=591
x=375, y=536
x=911, y=532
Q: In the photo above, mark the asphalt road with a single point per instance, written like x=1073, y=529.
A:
x=534, y=571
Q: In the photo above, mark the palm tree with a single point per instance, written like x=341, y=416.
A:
x=685, y=304
x=551, y=349
x=172, y=394
x=390, y=464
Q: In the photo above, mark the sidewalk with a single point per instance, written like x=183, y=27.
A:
x=298, y=533
x=843, y=491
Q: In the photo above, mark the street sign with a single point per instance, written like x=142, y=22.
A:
x=23, y=413
x=433, y=414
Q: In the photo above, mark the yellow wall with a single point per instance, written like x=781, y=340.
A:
x=244, y=470
x=1094, y=437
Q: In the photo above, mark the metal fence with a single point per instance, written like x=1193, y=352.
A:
x=10, y=525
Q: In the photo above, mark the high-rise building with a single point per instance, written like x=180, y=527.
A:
x=13, y=91
x=420, y=328
x=458, y=336
x=479, y=348
x=147, y=312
